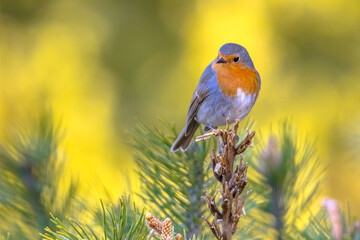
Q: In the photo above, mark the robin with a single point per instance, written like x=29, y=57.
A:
x=228, y=88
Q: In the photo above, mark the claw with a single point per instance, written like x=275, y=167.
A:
x=208, y=128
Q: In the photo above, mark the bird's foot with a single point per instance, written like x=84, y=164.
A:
x=208, y=128
x=220, y=145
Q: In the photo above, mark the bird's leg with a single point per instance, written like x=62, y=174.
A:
x=207, y=128
x=220, y=146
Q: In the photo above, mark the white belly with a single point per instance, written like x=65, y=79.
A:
x=214, y=113
x=242, y=105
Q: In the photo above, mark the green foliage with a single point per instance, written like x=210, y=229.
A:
x=287, y=180
x=285, y=183
x=321, y=227
x=318, y=227
x=172, y=183
x=7, y=237
x=285, y=177
x=117, y=223
x=31, y=173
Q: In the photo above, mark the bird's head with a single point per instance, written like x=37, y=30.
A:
x=235, y=71
x=232, y=54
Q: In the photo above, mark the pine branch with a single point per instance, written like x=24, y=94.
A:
x=172, y=183
x=331, y=223
x=31, y=173
x=232, y=181
x=288, y=184
x=121, y=222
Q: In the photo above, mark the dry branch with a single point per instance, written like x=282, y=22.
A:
x=232, y=181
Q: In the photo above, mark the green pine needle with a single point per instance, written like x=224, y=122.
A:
x=116, y=225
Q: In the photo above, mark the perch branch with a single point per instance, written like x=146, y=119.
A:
x=233, y=182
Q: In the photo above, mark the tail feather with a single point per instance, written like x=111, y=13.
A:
x=184, y=139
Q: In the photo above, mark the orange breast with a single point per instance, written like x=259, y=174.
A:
x=230, y=77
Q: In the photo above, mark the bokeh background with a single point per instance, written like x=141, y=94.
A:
x=101, y=64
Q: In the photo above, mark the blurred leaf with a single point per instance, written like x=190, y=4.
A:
x=30, y=179
x=289, y=180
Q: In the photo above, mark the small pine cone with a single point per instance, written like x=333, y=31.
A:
x=179, y=237
x=153, y=224
x=166, y=233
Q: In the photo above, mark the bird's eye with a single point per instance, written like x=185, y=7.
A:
x=236, y=59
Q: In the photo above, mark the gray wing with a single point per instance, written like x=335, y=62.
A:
x=200, y=94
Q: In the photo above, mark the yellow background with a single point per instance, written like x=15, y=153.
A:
x=101, y=64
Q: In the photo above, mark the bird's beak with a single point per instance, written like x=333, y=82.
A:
x=221, y=60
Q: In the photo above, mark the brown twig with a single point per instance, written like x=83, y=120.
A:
x=232, y=181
